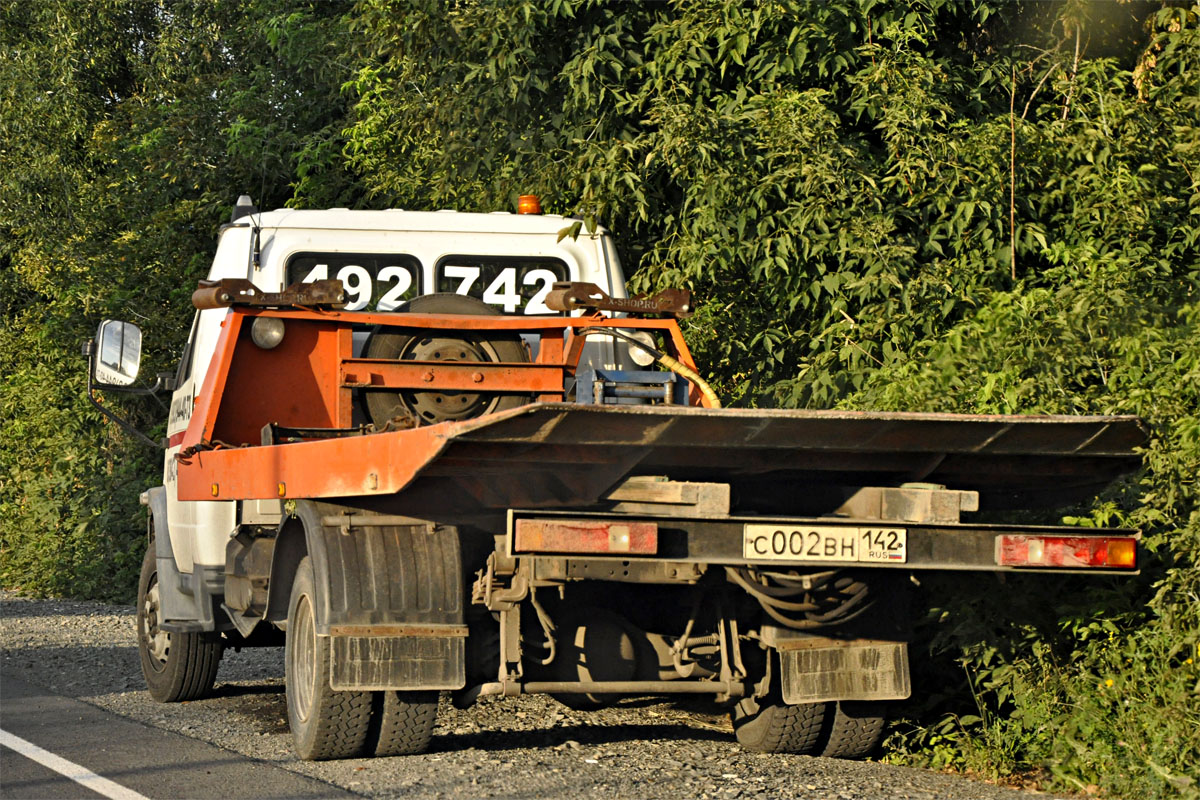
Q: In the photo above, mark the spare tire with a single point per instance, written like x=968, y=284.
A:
x=431, y=406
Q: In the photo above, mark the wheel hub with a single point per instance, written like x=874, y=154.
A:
x=435, y=406
x=158, y=641
x=303, y=659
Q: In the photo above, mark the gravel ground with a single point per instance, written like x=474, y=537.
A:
x=519, y=747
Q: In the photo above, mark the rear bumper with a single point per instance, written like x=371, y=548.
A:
x=683, y=545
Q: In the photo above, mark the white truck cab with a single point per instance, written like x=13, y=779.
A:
x=384, y=259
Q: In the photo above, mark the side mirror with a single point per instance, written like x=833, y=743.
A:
x=114, y=357
x=118, y=353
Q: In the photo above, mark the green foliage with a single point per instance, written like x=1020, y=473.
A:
x=129, y=127
x=941, y=205
x=836, y=180
x=1098, y=686
x=807, y=158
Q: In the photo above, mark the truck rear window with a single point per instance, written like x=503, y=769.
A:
x=373, y=281
x=513, y=284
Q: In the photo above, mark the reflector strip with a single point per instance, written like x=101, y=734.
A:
x=1113, y=552
x=578, y=536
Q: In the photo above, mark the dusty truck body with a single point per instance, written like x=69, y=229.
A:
x=419, y=496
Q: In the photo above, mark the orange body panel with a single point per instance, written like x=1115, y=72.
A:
x=471, y=376
x=306, y=382
x=297, y=384
x=361, y=465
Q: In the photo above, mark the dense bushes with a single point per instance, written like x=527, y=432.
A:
x=128, y=129
x=1092, y=682
x=940, y=205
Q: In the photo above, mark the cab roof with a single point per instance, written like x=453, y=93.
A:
x=400, y=220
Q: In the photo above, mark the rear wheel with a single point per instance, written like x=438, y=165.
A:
x=402, y=722
x=177, y=666
x=772, y=726
x=855, y=729
x=325, y=724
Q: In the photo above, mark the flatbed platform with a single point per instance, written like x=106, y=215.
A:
x=561, y=455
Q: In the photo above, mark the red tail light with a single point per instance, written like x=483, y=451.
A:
x=1114, y=552
x=585, y=536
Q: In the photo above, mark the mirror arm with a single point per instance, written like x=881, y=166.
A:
x=89, y=350
x=165, y=381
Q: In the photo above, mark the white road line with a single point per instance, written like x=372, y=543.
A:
x=68, y=769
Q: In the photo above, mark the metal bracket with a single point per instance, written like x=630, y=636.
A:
x=910, y=502
x=661, y=497
x=569, y=296
x=229, y=292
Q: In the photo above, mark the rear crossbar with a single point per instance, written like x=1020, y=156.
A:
x=823, y=542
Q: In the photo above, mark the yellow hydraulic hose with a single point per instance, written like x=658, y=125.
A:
x=689, y=373
x=667, y=361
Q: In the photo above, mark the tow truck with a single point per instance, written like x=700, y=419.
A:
x=440, y=455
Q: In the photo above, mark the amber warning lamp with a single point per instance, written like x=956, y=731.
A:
x=529, y=204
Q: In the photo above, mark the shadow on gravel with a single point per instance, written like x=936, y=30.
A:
x=243, y=690
x=264, y=707
x=491, y=741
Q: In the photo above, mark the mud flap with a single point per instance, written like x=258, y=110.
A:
x=393, y=599
x=826, y=669
x=362, y=663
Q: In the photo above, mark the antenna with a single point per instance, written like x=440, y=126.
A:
x=256, y=250
x=245, y=208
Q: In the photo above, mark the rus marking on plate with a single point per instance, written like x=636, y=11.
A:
x=800, y=543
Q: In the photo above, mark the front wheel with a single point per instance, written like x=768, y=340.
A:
x=177, y=666
x=325, y=724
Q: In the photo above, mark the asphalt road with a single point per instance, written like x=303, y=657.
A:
x=149, y=761
x=70, y=684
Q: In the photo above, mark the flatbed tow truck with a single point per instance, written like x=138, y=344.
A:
x=432, y=498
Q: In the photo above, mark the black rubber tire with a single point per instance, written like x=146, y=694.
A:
x=401, y=722
x=776, y=727
x=177, y=666
x=325, y=724
x=855, y=729
x=383, y=406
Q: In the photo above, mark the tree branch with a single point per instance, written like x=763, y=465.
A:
x=1074, y=72
x=1036, y=89
x=1012, y=174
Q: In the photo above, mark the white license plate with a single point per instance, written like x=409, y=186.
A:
x=801, y=543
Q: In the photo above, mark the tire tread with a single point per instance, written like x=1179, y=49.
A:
x=855, y=729
x=782, y=728
x=402, y=722
x=342, y=730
